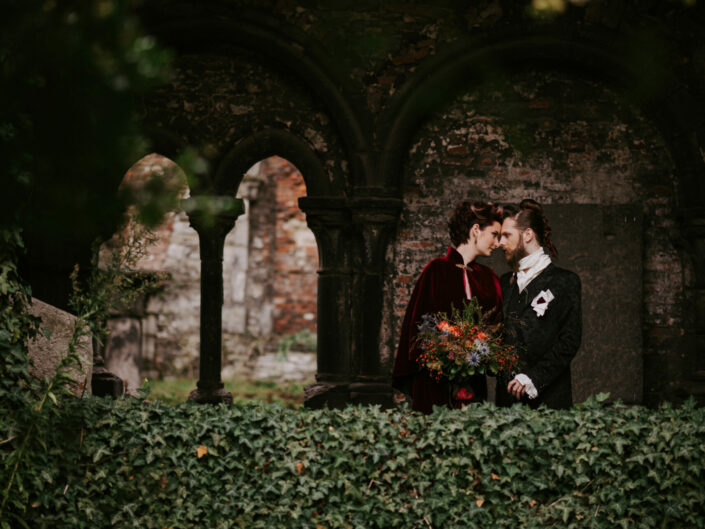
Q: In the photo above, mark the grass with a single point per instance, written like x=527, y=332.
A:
x=176, y=391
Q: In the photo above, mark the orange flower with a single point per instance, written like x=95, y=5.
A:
x=443, y=325
x=201, y=451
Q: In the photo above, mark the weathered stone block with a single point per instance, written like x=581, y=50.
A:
x=291, y=367
x=46, y=353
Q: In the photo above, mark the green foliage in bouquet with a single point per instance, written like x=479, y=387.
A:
x=463, y=344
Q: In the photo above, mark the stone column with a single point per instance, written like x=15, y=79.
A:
x=329, y=220
x=212, y=218
x=375, y=222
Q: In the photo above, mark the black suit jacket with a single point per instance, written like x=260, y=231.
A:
x=546, y=344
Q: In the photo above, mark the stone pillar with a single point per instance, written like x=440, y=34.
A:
x=212, y=218
x=375, y=222
x=329, y=220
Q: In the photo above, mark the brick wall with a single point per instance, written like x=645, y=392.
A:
x=347, y=82
x=539, y=135
x=296, y=259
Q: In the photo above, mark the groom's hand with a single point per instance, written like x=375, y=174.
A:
x=516, y=389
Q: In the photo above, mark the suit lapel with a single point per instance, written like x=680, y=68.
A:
x=511, y=297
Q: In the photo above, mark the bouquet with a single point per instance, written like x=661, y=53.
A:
x=461, y=345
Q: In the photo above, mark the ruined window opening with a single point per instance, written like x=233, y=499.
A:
x=270, y=264
x=276, y=310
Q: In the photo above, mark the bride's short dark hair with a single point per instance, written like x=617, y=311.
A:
x=467, y=214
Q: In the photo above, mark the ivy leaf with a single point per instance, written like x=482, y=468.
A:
x=100, y=452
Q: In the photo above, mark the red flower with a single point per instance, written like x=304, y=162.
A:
x=464, y=394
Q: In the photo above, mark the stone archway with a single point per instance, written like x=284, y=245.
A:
x=153, y=186
x=357, y=119
x=324, y=207
x=448, y=77
x=270, y=280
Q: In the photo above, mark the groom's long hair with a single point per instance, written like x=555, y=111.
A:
x=530, y=214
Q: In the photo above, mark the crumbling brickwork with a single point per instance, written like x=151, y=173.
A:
x=394, y=111
x=296, y=260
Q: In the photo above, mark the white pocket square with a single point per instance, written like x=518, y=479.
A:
x=541, y=301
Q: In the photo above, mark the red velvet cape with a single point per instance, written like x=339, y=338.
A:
x=439, y=287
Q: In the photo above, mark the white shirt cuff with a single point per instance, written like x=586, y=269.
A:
x=525, y=381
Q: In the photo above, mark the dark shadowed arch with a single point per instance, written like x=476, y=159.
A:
x=270, y=142
x=327, y=215
x=666, y=103
x=163, y=142
x=287, y=50
x=653, y=87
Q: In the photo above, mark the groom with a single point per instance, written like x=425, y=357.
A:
x=542, y=315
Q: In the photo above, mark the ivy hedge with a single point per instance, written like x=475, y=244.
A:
x=132, y=463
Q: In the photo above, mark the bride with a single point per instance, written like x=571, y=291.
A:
x=447, y=282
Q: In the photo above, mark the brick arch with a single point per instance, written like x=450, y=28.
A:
x=441, y=79
x=286, y=50
x=271, y=142
x=669, y=109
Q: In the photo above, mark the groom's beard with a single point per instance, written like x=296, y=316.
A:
x=517, y=255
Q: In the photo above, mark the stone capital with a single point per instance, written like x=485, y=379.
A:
x=213, y=215
x=329, y=220
x=328, y=211
x=376, y=210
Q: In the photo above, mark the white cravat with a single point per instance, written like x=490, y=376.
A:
x=531, y=266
